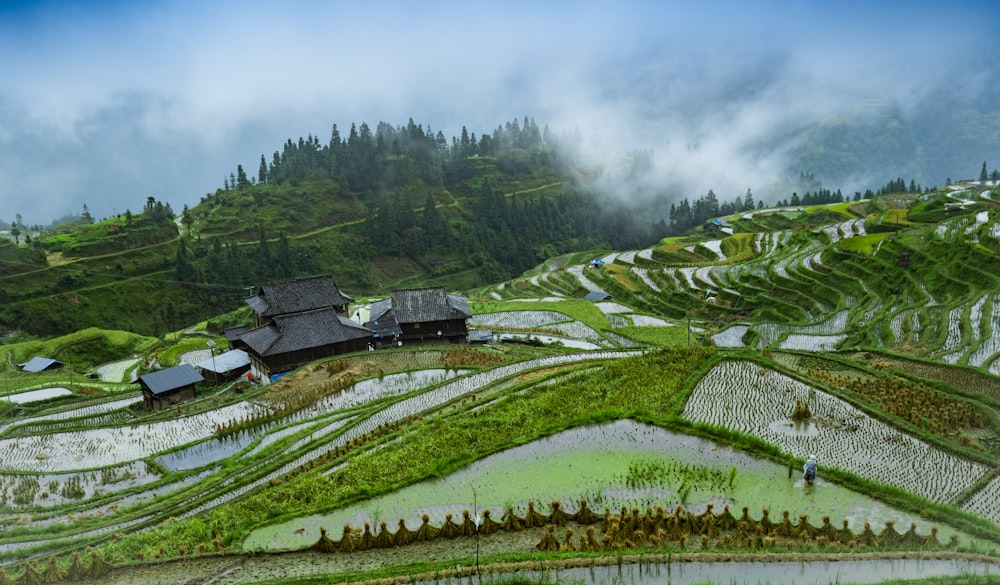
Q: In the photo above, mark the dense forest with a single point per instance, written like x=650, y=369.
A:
x=424, y=197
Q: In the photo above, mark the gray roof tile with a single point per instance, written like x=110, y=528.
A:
x=300, y=294
x=421, y=305
x=303, y=330
x=171, y=378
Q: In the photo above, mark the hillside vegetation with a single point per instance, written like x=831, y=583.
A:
x=382, y=208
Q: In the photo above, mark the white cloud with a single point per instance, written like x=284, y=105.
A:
x=166, y=98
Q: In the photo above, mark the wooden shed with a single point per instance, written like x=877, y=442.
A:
x=168, y=387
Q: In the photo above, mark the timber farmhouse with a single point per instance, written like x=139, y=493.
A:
x=298, y=321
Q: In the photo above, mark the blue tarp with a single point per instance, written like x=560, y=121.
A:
x=597, y=295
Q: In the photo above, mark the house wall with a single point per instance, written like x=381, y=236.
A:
x=452, y=331
x=152, y=401
x=274, y=364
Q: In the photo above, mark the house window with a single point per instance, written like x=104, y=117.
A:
x=416, y=325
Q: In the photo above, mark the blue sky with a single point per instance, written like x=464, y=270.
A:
x=105, y=103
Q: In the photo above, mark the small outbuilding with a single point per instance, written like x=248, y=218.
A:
x=168, y=387
x=225, y=366
x=597, y=295
x=39, y=364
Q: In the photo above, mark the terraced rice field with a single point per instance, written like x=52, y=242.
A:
x=93, y=470
x=742, y=396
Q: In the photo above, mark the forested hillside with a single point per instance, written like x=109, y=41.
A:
x=390, y=207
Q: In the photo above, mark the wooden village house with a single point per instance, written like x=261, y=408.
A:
x=296, y=296
x=296, y=322
x=168, y=387
x=296, y=339
x=306, y=319
x=421, y=316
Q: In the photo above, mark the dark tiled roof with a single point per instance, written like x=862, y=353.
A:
x=294, y=296
x=597, y=295
x=233, y=333
x=171, y=378
x=421, y=305
x=303, y=330
x=383, y=328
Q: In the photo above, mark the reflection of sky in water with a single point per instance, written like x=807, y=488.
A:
x=214, y=450
x=565, y=341
x=591, y=463
x=35, y=395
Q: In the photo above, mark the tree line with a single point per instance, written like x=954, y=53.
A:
x=368, y=160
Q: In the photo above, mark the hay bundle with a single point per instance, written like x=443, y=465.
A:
x=489, y=525
x=324, y=544
x=889, y=536
x=403, y=535
x=709, y=526
x=347, y=540
x=367, y=539
x=726, y=519
x=548, y=542
x=592, y=544
x=567, y=545
x=786, y=528
x=53, y=574
x=749, y=523
x=558, y=516
x=468, y=526
x=806, y=529
x=611, y=539
x=450, y=529
x=426, y=531
x=845, y=535
x=76, y=572
x=534, y=518
x=829, y=531
x=585, y=515
x=511, y=521
x=765, y=522
x=30, y=575
x=98, y=566
x=911, y=537
x=868, y=536
x=384, y=538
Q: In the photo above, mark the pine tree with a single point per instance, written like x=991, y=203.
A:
x=983, y=176
x=241, y=178
x=262, y=172
x=85, y=217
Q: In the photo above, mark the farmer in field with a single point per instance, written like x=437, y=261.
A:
x=810, y=470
